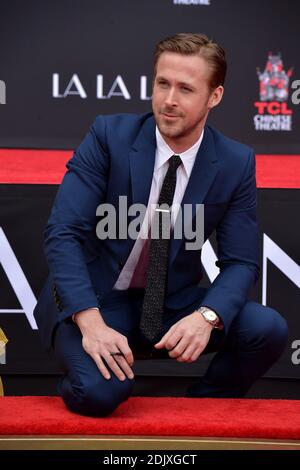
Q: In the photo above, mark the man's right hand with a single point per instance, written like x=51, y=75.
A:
x=99, y=340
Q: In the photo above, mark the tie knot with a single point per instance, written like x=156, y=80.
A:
x=174, y=162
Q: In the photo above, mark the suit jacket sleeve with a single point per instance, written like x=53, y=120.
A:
x=237, y=239
x=73, y=217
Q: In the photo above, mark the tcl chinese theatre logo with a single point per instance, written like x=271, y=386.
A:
x=273, y=113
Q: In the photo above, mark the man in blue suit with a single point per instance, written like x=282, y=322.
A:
x=91, y=306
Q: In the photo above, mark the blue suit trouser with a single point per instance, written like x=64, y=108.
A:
x=255, y=340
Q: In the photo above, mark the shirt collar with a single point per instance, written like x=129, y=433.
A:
x=164, y=152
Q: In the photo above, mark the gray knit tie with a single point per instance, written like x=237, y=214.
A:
x=156, y=279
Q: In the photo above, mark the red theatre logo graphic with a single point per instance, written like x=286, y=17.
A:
x=272, y=110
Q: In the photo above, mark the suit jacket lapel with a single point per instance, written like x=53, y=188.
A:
x=142, y=159
x=203, y=174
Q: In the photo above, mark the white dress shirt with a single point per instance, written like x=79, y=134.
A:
x=162, y=155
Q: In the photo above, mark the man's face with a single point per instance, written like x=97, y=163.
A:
x=181, y=97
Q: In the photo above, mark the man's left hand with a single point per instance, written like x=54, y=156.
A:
x=187, y=338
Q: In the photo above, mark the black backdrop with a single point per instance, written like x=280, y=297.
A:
x=44, y=45
x=115, y=38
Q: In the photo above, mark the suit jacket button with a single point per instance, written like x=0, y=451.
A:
x=121, y=265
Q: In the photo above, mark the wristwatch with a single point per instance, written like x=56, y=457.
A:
x=211, y=317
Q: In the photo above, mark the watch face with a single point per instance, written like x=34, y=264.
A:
x=211, y=316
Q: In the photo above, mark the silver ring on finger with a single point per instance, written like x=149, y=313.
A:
x=116, y=354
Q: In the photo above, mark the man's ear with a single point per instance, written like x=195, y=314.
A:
x=215, y=97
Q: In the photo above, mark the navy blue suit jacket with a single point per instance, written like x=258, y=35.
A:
x=117, y=158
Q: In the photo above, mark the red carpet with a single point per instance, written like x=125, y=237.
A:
x=18, y=166
x=278, y=171
x=247, y=418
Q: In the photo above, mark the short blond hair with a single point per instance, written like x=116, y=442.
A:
x=196, y=44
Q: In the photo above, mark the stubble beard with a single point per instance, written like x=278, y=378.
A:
x=172, y=129
x=175, y=130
